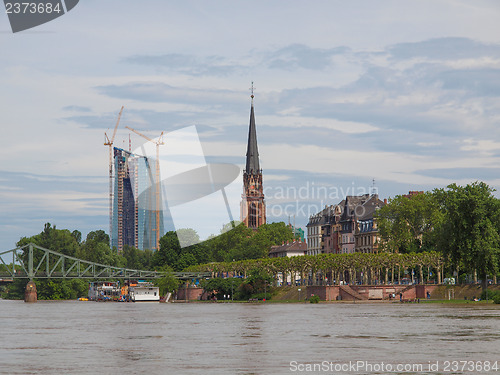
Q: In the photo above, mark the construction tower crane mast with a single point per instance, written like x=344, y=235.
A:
x=158, y=143
x=109, y=142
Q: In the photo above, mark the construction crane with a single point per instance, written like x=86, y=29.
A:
x=158, y=143
x=109, y=142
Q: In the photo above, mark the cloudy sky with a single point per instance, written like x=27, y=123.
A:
x=405, y=93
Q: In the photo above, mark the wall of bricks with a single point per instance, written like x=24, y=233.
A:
x=370, y=292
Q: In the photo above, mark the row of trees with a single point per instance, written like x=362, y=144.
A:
x=236, y=244
x=333, y=268
x=461, y=222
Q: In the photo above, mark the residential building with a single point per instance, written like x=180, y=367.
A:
x=366, y=231
x=314, y=234
x=346, y=228
x=358, y=208
x=330, y=231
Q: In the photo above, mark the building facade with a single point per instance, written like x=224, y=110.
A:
x=345, y=228
x=134, y=211
x=314, y=233
x=289, y=249
x=253, y=206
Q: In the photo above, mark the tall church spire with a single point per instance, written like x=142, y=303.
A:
x=253, y=207
x=252, y=165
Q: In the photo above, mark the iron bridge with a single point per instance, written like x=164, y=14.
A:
x=34, y=262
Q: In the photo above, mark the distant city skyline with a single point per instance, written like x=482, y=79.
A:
x=345, y=92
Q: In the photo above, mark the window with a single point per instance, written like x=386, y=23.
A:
x=252, y=217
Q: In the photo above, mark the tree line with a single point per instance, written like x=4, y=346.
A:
x=452, y=231
x=460, y=222
x=238, y=243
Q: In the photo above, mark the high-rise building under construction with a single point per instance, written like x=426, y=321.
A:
x=134, y=203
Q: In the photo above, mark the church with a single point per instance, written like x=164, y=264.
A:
x=253, y=207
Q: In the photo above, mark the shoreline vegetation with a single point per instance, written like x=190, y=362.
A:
x=444, y=236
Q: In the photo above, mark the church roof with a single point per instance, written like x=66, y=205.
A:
x=252, y=165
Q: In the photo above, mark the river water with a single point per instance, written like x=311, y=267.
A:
x=74, y=337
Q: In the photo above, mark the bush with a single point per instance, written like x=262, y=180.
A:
x=314, y=299
x=491, y=295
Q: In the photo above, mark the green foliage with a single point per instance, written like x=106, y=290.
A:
x=469, y=234
x=62, y=241
x=221, y=286
x=95, y=248
x=52, y=289
x=167, y=283
x=15, y=290
x=238, y=243
x=253, y=286
x=171, y=253
x=406, y=224
x=137, y=259
x=314, y=299
x=242, y=243
x=492, y=295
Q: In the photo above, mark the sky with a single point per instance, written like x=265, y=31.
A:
x=349, y=96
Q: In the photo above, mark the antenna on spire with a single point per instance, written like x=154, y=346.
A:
x=374, y=188
x=251, y=90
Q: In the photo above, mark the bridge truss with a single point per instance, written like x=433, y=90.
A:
x=31, y=261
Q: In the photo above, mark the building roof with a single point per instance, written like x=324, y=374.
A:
x=252, y=165
x=295, y=246
x=323, y=217
x=361, y=207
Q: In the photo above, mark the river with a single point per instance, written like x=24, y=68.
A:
x=74, y=337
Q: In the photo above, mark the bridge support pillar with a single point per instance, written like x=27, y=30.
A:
x=30, y=294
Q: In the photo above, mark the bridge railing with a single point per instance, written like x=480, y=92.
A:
x=32, y=261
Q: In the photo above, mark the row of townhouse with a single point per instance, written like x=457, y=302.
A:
x=347, y=227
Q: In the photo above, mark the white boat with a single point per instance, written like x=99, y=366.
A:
x=142, y=293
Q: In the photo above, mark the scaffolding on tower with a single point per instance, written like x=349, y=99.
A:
x=109, y=142
x=157, y=183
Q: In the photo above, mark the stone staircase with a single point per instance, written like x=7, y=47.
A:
x=355, y=295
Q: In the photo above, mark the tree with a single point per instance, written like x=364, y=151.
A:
x=96, y=249
x=469, y=233
x=171, y=253
x=406, y=223
x=221, y=286
x=256, y=285
x=137, y=259
x=62, y=241
x=168, y=252
x=167, y=283
x=98, y=236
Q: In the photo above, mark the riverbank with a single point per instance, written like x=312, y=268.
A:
x=438, y=293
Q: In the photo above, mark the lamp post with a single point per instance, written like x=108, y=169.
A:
x=486, y=288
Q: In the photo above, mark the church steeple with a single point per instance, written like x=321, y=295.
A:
x=253, y=207
x=252, y=165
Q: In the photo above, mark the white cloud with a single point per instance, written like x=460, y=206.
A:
x=384, y=90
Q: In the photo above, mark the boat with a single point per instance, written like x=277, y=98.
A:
x=104, y=291
x=144, y=292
